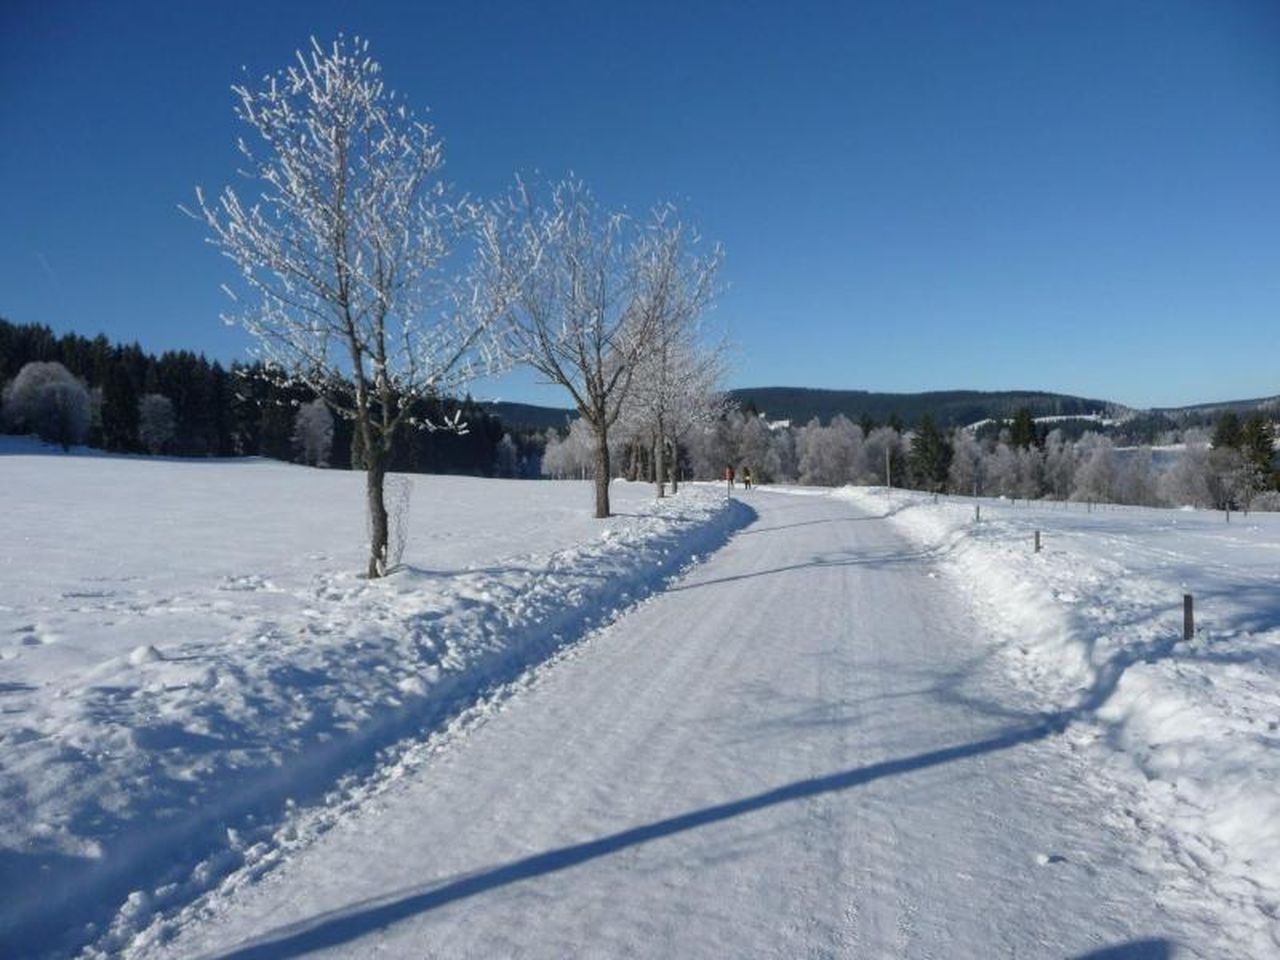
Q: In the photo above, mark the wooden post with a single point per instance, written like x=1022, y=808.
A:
x=1037, y=541
x=1188, y=618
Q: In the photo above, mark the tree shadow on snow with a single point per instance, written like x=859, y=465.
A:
x=1158, y=949
x=343, y=926
x=878, y=561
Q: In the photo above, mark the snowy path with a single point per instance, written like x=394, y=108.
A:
x=803, y=749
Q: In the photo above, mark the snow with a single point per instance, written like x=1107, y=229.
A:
x=798, y=723
x=810, y=744
x=186, y=650
x=1187, y=731
x=1100, y=419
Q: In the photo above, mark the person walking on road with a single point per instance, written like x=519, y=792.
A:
x=746, y=478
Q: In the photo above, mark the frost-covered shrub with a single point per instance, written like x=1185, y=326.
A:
x=156, y=424
x=1268, y=502
x=313, y=433
x=45, y=399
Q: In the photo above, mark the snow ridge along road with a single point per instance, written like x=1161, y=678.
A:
x=165, y=706
x=806, y=747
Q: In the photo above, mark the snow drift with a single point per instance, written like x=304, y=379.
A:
x=1093, y=626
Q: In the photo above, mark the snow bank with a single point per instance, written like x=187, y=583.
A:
x=186, y=653
x=1093, y=625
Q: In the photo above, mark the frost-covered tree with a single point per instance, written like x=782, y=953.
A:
x=782, y=455
x=831, y=455
x=45, y=399
x=711, y=447
x=1095, y=477
x=1136, y=481
x=313, y=433
x=676, y=377
x=755, y=444
x=572, y=456
x=1188, y=481
x=156, y=423
x=964, y=476
x=1030, y=472
x=1000, y=471
x=1059, y=465
x=347, y=243
x=1233, y=481
x=506, y=458
x=551, y=456
x=582, y=314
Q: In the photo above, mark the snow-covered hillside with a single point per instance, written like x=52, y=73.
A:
x=1189, y=732
x=186, y=650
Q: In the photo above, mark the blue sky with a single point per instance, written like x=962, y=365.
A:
x=1082, y=197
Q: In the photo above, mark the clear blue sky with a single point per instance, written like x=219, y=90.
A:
x=1075, y=196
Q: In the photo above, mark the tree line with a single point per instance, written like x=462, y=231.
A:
x=1232, y=466
x=122, y=399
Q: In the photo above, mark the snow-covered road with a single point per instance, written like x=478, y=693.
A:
x=803, y=749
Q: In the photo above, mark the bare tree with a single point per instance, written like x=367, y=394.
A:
x=579, y=314
x=347, y=243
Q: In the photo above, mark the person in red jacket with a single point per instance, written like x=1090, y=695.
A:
x=728, y=475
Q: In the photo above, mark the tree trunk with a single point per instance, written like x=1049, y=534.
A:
x=376, y=471
x=602, y=472
x=659, y=465
x=675, y=468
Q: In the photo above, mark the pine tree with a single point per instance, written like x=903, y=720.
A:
x=1227, y=432
x=1022, y=434
x=1257, y=445
x=930, y=456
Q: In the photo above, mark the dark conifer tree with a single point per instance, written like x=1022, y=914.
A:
x=1022, y=432
x=1226, y=433
x=930, y=456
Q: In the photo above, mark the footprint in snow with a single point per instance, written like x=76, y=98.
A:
x=1044, y=859
x=32, y=636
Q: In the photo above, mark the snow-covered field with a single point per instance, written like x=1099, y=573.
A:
x=187, y=651
x=1189, y=733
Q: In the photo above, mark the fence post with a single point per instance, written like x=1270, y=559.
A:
x=1037, y=541
x=1188, y=617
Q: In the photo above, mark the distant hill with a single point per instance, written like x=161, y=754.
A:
x=529, y=417
x=949, y=408
x=1269, y=405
